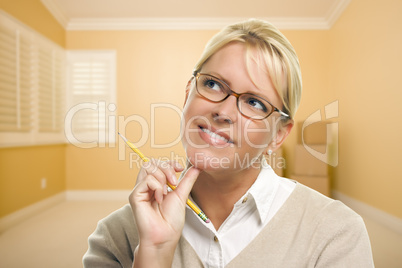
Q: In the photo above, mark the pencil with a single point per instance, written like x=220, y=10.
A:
x=146, y=159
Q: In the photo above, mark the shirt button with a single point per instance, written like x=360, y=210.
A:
x=244, y=200
x=216, y=239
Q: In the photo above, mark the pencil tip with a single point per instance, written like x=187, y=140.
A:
x=124, y=138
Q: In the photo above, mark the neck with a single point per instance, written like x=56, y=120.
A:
x=216, y=193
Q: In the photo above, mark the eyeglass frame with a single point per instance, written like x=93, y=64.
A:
x=196, y=75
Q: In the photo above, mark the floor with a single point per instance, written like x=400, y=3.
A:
x=58, y=236
x=55, y=238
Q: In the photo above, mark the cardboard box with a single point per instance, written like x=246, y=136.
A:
x=316, y=133
x=308, y=164
x=318, y=183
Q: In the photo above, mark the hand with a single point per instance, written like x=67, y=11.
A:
x=160, y=214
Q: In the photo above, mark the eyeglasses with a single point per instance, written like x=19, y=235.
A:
x=248, y=104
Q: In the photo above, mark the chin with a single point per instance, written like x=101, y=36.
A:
x=207, y=161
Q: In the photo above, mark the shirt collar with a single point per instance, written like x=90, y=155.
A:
x=263, y=191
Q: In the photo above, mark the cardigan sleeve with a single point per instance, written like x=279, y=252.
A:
x=99, y=254
x=113, y=242
x=348, y=247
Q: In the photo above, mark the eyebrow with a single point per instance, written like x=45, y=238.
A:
x=216, y=75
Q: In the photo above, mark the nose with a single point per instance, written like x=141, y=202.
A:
x=226, y=111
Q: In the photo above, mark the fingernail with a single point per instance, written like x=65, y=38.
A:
x=165, y=189
x=174, y=180
x=179, y=165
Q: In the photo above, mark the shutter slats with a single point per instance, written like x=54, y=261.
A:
x=11, y=117
x=7, y=47
x=7, y=86
x=51, y=90
x=91, y=81
x=4, y=127
x=7, y=95
x=31, y=81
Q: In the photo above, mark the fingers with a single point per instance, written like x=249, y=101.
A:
x=151, y=181
x=151, y=184
x=186, y=183
x=149, y=189
x=162, y=171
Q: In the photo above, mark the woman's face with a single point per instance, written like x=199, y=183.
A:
x=216, y=136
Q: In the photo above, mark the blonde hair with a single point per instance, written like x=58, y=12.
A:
x=273, y=48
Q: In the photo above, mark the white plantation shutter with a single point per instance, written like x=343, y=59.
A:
x=15, y=78
x=32, y=86
x=50, y=89
x=25, y=83
x=92, y=86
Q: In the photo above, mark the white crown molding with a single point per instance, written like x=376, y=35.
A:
x=111, y=24
x=336, y=11
x=299, y=23
x=186, y=23
x=56, y=12
x=390, y=221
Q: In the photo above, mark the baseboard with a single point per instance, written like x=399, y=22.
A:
x=388, y=220
x=96, y=195
x=391, y=222
x=29, y=211
x=76, y=195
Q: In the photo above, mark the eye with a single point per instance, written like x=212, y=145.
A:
x=211, y=84
x=255, y=103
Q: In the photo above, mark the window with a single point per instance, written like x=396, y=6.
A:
x=16, y=55
x=34, y=106
x=51, y=94
x=91, y=98
x=32, y=86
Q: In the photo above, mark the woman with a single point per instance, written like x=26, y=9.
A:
x=239, y=107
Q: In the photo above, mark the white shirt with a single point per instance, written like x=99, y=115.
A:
x=216, y=248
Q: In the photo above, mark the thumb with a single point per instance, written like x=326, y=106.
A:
x=186, y=183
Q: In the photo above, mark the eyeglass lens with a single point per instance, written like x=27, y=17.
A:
x=248, y=104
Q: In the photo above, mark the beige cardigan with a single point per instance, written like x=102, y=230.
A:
x=309, y=230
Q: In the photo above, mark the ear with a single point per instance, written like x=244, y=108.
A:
x=188, y=88
x=284, y=129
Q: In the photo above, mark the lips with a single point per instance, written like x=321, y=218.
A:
x=214, y=137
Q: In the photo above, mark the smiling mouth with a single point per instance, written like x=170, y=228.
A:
x=215, y=136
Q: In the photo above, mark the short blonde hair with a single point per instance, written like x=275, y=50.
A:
x=276, y=51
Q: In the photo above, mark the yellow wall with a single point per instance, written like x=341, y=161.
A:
x=364, y=74
x=356, y=62
x=152, y=67
x=352, y=63
x=21, y=172
x=311, y=48
x=36, y=16
x=21, y=169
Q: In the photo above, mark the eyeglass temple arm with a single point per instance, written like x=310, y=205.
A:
x=282, y=113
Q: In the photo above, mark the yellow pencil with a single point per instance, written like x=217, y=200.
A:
x=146, y=159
